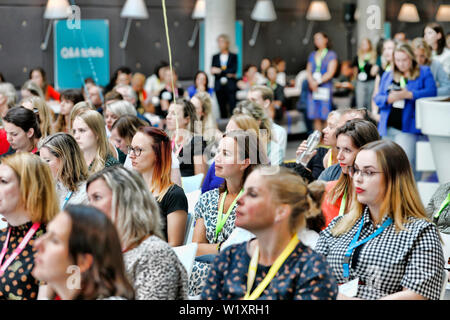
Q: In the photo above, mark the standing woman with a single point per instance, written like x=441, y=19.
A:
x=239, y=152
x=150, y=155
x=63, y=155
x=28, y=202
x=84, y=238
x=366, y=69
x=435, y=37
x=22, y=130
x=321, y=67
x=399, y=90
x=90, y=133
x=387, y=62
x=273, y=207
x=187, y=144
x=386, y=241
x=151, y=264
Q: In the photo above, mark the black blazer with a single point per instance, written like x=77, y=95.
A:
x=231, y=68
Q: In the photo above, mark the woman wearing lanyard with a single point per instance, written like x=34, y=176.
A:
x=385, y=245
x=350, y=138
x=321, y=67
x=22, y=130
x=82, y=239
x=275, y=265
x=28, y=202
x=237, y=155
x=151, y=156
x=151, y=265
x=63, y=155
x=366, y=69
x=399, y=90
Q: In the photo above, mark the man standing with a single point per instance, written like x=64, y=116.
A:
x=224, y=68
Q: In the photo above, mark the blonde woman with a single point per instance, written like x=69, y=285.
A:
x=274, y=207
x=151, y=265
x=385, y=243
x=399, y=90
x=203, y=108
x=28, y=202
x=366, y=68
x=78, y=108
x=63, y=155
x=89, y=132
x=43, y=112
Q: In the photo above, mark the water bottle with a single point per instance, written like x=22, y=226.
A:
x=311, y=144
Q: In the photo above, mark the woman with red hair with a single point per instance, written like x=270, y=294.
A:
x=150, y=154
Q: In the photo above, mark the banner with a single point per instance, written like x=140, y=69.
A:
x=81, y=51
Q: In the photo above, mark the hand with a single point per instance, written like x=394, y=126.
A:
x=302, y=148
x=215, y=70
x=313, y=85
x=394, y=96
x=374, y=70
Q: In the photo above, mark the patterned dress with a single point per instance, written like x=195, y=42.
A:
x=207, y=209
x=17, y=283
x=305, y=275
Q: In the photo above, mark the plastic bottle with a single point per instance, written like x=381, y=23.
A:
x=311, y=144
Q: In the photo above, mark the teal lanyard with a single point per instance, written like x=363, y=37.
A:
x=443, y=206
x=221, y=219
x=355, y=243
x=319, y=61
x=68, y=196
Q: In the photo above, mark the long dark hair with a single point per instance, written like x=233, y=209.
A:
x=93, y=233
x=24, y=119
x=441, y=43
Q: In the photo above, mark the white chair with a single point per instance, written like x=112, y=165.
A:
x=446, y=248
x=192, y=198
x=444, y=284
x=186, y=255
x=192, y=183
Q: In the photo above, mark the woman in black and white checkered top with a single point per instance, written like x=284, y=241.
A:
x=403, y=257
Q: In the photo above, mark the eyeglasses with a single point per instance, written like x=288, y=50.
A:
x=352, y=171
x=137, y=151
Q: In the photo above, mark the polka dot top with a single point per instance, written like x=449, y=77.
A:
x=17, y=283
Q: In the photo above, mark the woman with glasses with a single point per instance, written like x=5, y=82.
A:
x=385, y=247
x=349, y=139
x=151, y=155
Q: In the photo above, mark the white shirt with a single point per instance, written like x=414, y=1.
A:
x=444, y=59
x=223, y=59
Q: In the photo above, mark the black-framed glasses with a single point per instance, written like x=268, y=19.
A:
x=367, y=173
x=137, y=151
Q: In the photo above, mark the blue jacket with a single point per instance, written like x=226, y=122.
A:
x=422, y=86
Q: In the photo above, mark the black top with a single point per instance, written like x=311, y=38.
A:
x=186, y=156
x=395, y=116
x=367, y=68
x=17, y=283
x=231, y=68
x=316, y=162
x=173, y=200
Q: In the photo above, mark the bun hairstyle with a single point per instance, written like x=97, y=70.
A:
x=289, y=188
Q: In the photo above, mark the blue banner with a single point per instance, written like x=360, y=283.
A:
x=81, y=51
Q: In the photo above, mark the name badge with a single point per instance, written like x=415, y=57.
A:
x=223, y=81
x=322, y=94
x=362, y=76
x=350, y=289
x=400, y=104
x=317, y=76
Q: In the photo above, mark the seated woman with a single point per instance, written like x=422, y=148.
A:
x=69, y=98
x=22, y=130
x=28, y=202
x=150, y=263
x=167, y=95
x=37, y=75
x=43, y=113
x=151, y=156
x=438, y=208
x=63, y=155
x=82, y=239
x=402, y=255
x=187, y=144
x=112, y=112
x=214, y=212
x=273, y=207
x=200, y=85
x=349, y=139
x=89, y=131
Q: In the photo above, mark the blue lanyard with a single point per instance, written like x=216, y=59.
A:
x=69, y=194
x=355, y=243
